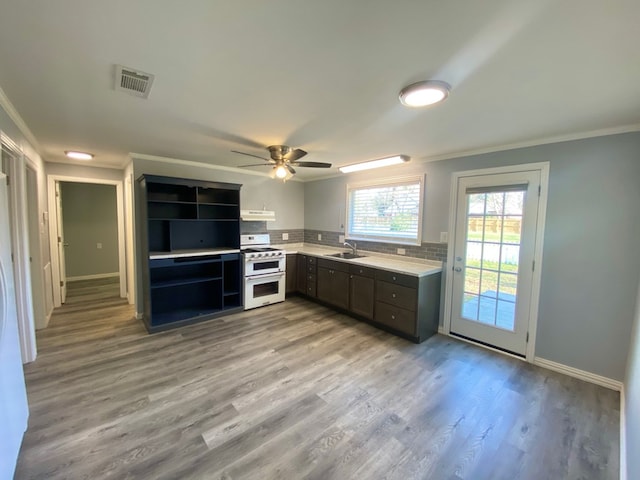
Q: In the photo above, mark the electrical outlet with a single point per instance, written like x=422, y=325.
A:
x=319, y=236
x=99, y=245
x=285, y=236
x=341, y=238
x=444, y=237
x=401, y=251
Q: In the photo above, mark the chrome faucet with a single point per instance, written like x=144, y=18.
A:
x=354, y=247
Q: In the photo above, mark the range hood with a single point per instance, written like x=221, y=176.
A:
x=258, y=215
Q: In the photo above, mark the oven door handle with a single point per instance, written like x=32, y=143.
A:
x=266, y=275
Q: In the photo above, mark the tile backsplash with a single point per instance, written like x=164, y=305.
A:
x=429, y=251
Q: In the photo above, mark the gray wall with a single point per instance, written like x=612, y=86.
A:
x=632, y=399
x=89, y=217
x=286, y=199
x=590, y=268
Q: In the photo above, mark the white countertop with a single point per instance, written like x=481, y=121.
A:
x=191, y=253
x=394, y=263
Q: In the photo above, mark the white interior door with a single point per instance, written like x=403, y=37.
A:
x=13, y=400
x=493, y=258
x=61, y=244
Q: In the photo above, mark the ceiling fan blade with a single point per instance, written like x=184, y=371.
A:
x=257, y=165
x=312, y=164
x=290, y=168
x=252, y=155
x=295, y=154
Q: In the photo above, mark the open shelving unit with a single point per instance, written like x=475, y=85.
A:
x=191, y=250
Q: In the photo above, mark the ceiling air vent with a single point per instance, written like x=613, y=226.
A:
x=133, y=81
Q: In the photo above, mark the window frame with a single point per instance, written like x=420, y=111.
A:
x=387, y=182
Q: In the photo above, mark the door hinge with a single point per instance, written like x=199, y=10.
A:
x=59, y=239
x=61, y=283
x=527, y=337
x=539, y=189
x=8, y=180
x=533, y=267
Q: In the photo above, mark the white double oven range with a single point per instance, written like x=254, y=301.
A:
x=264, y=271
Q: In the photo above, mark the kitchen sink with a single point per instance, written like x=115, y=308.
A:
x=345, y=255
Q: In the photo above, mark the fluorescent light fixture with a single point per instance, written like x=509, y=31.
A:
x=382, y=162
x=78, y=155
x=425, y=93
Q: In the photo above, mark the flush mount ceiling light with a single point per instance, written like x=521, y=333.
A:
x=425, y=93
x=381, y=162
x=78, y=155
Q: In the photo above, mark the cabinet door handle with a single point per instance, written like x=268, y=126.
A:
x=350, y=276
x=393, y=317
x=393, y=295
x=394, y=278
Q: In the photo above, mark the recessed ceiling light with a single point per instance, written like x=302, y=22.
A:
x=78, y=155
x=381, y=162
x=425, y=93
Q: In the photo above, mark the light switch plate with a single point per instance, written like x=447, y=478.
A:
x=444, y=237
x=341, y=238
x=319, y=236
x=401, y=251
x=99, y=245
x=285, y=236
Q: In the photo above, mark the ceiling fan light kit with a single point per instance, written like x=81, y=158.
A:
x=381, y=162
x=422, y=94
x=283, y=159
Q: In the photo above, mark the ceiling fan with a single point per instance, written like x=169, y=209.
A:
x=283, y=159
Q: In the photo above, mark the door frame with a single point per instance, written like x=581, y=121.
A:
x=543, y=168
x=53, y=236
x=20, y=249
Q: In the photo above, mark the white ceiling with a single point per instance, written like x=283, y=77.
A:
x=319, y=75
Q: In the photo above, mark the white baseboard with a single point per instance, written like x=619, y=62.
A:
x=623, y=435
x=93, y=277
x=577, y=373
x=139, y=316
x=441, y=330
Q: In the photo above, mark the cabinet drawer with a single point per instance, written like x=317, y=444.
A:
x=396, y=317
x=398, y=295
x=362, y=271
x=397, y=278
x=333, y=265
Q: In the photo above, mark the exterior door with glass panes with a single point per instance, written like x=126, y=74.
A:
x=493, y=261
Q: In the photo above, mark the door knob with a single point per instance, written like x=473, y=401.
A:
x=458, y=269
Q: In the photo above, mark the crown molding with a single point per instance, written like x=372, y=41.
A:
x=192, y=163
x=8, y=107
x=534, y=143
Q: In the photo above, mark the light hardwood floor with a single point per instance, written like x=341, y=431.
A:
x=292, y=391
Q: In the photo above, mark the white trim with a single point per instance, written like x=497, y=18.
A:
x=534, y=143
x=95, y=276
x=485, y=346
x=580, y=374
x=191, y=163
x=8, y=107
x=139, y=316
x=623, y=434
x=543, y=168
x=55, y=264
x=20, y=250
x=387, y=182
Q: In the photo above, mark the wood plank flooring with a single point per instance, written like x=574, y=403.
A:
x=295, y=390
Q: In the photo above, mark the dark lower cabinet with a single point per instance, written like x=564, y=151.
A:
x=403, y=304
x=333, y=283
x=291, y=284
x=361, y=291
